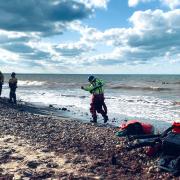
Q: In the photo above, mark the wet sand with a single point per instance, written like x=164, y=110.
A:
x=36, y=144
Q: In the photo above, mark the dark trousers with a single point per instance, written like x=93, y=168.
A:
x=12, y=95
x=98, y=105
x=0, y=88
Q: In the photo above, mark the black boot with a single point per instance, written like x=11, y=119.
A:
x=94, y=120
x=106, y=119
x=10, y=101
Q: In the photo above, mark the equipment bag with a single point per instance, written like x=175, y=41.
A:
x=135, y=127
x=170, y=164
x=171, y=144
x=130, y=128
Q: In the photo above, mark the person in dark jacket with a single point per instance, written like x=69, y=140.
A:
x=1, y=81
x=12, y=86
x=97, y=100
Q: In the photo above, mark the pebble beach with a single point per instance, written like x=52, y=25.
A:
x=37, y=145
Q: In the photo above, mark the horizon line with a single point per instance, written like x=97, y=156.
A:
x=94, y=73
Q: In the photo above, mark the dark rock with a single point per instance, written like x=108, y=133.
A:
x=5, y=156
x=63, y=174
x=8, y=140
x=17, y=157
x=32, y=164
x=113, y=160
x=44, y=175
x=6, y=176
x=130, y=100
x=45, y=150
x=52, y=165
x=64, y=109
x=51, y=106
x=28, y=173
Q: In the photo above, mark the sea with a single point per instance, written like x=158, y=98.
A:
x=148, y=98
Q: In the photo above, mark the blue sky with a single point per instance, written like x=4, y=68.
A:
x=90, y=36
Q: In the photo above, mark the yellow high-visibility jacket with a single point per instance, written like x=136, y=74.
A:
x=96, y=87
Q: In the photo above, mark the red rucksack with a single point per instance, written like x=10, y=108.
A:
x=135, y=127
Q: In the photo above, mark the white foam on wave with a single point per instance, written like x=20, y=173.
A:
x=55, y=98
x=145, y=107
x=31, y=83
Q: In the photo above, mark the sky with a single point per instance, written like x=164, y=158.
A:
x=90, y=36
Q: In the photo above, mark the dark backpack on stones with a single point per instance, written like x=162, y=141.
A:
x=171, y=144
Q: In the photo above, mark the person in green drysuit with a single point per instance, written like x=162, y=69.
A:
x=97, y=101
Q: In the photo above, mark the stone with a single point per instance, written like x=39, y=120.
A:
x=64, y=109
x=45, y=150
x=52, y=165
x=28, y=173
x=17, y=157
x=32, y=164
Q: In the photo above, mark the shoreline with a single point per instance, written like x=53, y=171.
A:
x=85, y=117
x=46, y=146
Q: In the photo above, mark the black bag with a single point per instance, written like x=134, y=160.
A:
x=131, y=129
x=134, y=129
x=170, y=164
x=171, y=144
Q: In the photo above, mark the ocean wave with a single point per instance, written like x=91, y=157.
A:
x=147, y=88
x=170, y=82
x=70, y=95
x=31, y=83
x=176, y=83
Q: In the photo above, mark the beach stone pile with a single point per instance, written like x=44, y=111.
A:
x=92, y=149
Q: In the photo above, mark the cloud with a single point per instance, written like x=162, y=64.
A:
x=24, y=24
x=72, y=49
x=8, y=56
x=133, y=3
x=49, y=16
x=13, y=37
x=152, y=35
x=95, y=3
x=18, y=48
x=172, y=4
